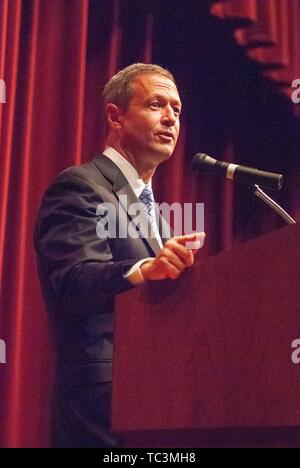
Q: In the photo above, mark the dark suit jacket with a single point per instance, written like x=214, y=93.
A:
x=80, y=273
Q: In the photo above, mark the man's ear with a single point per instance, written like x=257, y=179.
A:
x=113, y=116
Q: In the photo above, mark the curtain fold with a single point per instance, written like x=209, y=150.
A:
x=10, y=31
x=21, y=247
x=55, y=57
x=42, y=124
x=274, y=20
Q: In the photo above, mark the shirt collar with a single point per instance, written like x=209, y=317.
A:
x=136, y=183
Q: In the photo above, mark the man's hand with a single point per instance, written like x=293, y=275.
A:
x=176, y=255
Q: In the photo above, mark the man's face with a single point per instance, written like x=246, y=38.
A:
x=150, y=126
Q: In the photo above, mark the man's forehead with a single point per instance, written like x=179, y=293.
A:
x=147, y=83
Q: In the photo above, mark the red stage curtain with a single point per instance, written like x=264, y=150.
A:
x=274, y=20
x=43, y=65
x=52, y=119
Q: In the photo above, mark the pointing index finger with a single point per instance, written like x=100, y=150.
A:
x=192, y=241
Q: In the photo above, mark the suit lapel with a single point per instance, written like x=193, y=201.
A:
x=127, y=199
x=164, y=228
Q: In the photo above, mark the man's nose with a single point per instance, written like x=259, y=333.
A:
x=169, y=118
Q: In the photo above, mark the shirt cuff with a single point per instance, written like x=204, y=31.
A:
x=134, y=275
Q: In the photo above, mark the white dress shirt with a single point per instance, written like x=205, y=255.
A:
x=137, y=184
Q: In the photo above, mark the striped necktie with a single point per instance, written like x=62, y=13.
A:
x=146, y=197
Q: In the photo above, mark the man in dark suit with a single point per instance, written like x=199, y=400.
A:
x=84, y=261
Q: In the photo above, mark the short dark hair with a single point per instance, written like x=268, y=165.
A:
x=118, y=90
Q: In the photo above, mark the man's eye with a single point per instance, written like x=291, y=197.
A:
x=176, y=110
x=155, y=105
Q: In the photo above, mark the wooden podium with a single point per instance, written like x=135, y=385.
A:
x=206, y=360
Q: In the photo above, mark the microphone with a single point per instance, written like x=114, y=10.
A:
x=246, y=175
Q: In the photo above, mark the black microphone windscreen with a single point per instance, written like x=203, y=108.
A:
x=204, y=163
